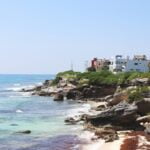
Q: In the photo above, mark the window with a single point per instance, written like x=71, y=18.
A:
x=138, y=70
x=136, y=64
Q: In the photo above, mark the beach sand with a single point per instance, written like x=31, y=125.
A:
x=101, y=145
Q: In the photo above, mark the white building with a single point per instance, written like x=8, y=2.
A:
x=139, y=63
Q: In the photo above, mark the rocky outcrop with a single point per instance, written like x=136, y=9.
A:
x=117, y=98
x=143, y=119
x=143, y=106
x=43, y=93
x=123, y=115
x=72, y=120
x=98, y=91
x=72, y=89
x=59, y=97
x=109, y=135
x=75, y=119
x=74, y=94
x=91, y=92
x=47, y=83
x=146, y=94
x=140, y=81
x=101, y=107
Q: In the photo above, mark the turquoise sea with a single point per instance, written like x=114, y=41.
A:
x=43, y=116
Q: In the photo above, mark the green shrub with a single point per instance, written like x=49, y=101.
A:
x=56, y=81
x=99, y=78
x=126, y=77
x=102, y=77
x=137, y=94
x=69, y=73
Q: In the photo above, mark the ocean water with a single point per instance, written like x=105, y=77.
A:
x=43, y=116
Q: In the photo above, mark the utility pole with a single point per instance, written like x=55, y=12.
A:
x=71, y=66
x=86, y=65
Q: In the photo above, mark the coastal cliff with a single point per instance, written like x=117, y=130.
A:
x=123, y=100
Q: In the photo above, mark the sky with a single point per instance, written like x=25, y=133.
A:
x=47, y=36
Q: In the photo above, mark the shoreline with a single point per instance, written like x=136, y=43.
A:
x=124, y=141
x=110, y=111
x=100, y=143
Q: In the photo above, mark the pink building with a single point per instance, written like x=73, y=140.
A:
x=100, y=64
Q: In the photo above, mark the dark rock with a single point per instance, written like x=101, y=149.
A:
x=71, y=121
x=74, y=94
x=38, y=88
x=143, y=106
x=59, y=97
x=83, y=117
x=28, y=90
x=75, y=119
x=123, y=114
x=73, y=81
x=14, y=124
x=97, y=91
x=109, y=135
x=146, y=94
x=88, y=92
x=42, y=93
x=47, y=83
x=24, y=132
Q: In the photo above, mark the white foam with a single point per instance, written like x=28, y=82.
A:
x=79, y=111
x=15, y=89
x=89, y=144
x=17, y=84
x=26, y=94
x=39, y=83
x=19, y=88
x=21, y=94
x=19, y=111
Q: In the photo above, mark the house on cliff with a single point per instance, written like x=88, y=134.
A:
x=99, y=64
x=139, y=63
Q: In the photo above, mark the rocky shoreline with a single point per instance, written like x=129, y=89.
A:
x=112, y=113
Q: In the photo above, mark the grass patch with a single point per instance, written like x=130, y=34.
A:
x=137, y=94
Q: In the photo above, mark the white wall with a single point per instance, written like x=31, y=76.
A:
x=135, y=65
x=126, y=65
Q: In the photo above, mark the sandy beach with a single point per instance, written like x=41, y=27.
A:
x=101, y=145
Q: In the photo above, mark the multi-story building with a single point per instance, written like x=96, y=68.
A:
x=139, y=63
x=100, y=64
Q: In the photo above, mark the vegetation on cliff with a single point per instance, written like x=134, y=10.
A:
x=138, y=93
x=103, y=77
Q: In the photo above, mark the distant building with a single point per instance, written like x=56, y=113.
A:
x=139, y=63
x=99, y=64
